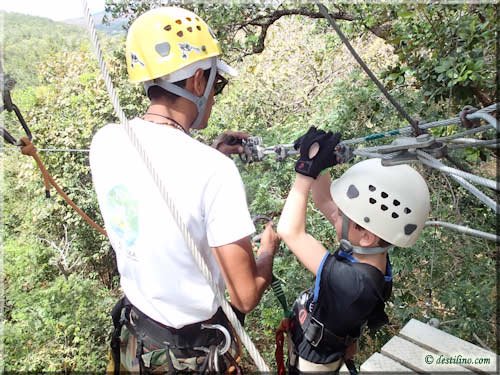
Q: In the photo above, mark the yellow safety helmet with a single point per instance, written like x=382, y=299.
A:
x=164, y=40
x=168, y=44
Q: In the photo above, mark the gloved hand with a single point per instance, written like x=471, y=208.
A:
x=324, y=157
x=298, y=141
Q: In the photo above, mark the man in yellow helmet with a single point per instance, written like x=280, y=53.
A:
x=170, y=319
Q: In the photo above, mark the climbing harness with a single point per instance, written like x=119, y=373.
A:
x=191, y=244
x=203, y=347
x=312, y=321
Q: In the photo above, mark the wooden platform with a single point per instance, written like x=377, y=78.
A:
x=420, y=348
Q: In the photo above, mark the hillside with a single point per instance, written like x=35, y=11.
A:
x=114, y=27
x=30, y=40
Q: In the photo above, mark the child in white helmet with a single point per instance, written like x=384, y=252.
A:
x=372, y=207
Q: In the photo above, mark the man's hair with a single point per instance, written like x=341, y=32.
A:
x=156, y=92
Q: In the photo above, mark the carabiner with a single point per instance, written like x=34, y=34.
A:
x=222, y=348
x=10, y=106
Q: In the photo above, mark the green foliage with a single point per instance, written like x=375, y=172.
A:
x=460, y=63
x=52, y=323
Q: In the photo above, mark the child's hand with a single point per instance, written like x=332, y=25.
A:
x=269, y=240
x=317, y=152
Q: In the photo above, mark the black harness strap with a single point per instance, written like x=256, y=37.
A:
x=316, y=332
x=120, y=315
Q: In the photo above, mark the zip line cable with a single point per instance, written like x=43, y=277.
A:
x=414, y=124
x=200, y=262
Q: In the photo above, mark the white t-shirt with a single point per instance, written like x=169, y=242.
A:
x=158, y=272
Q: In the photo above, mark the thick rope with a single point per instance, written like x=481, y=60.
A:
x=27, y=148
x=479, y=129
x=200, y=262
x=432, y=162
x=467, y=185
x=428, y=125
x=465, y=230
x=470, y=142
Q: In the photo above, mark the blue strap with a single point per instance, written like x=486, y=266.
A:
x=347, y=256
x=318, y=277
x=388, y=270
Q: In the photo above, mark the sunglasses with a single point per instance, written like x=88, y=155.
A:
x=220, y=83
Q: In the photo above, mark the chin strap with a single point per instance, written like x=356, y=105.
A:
x=347, y=247
x=199, y=101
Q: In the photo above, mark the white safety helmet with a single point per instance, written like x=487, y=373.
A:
x=392, y=202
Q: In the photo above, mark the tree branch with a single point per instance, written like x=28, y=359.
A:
x=265, y=21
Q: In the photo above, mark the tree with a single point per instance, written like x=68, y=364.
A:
x=447, y=50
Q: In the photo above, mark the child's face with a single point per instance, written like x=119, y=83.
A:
x=354, y=234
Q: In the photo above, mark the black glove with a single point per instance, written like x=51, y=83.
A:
x=324, y=158
x=298, y=141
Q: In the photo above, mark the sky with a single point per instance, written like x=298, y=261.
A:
x=56, y=10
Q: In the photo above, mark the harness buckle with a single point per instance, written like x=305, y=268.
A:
x=314, y=331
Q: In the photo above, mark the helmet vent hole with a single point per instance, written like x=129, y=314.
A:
x=167, y=28
x=180, y=34
x=198, y=27
x=197, y=19
x=203, y=48
x=352, y=192
x=384, y=194
x=178, y=22
x=190, y=29
x=366, y=219
x=372, y=201
x=396, y=202
x=395, y=215
x=383, y=207
x=407, y=210
x=371, y=188
x=188, y=19
x=409, y=229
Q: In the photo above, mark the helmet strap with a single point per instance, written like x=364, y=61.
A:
x=346, y=245
x=199, y=101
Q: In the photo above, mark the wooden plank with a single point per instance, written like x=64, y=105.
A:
x=381, y=364
x=452, y=347
x=417, y=358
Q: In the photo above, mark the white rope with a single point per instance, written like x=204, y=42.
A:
x=434, y=163
x=467, y=185
x=464, y=230
x=465, y=132
x=200, y=262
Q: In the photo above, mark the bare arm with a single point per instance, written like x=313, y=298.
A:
x=292, y=226
x=246, y=277
x=322, y=198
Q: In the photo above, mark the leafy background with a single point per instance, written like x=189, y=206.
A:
x=60, y=278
